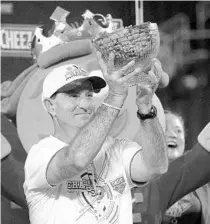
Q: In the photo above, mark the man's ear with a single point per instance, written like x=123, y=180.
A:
x=49, y=106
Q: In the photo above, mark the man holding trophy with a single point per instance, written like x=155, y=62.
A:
x=80, y=174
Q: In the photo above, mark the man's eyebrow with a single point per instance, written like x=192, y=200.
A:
x=72, y=91
x=77, y=90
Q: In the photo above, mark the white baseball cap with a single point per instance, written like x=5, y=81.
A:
x=61, y=79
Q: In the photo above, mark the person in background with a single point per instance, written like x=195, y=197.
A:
x=13, y=158
x=186, y=173
x=80, y=174
x=14, y=207
x=189, y=208
x=175, y=134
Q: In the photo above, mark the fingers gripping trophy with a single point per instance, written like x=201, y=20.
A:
x=134, y=43
x=132, y=51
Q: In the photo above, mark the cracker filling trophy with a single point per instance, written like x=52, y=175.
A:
x=140, y=43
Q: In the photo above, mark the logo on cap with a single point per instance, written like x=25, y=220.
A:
x=73, y=71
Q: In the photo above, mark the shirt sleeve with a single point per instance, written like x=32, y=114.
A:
x=37, y=162
x=204, y=137
x=185, y=174
x=129, y=150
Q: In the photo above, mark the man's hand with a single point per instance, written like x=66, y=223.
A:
x=117, y=79
x=146, y=88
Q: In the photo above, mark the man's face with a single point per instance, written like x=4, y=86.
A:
x=75, y=107
x=175, y=137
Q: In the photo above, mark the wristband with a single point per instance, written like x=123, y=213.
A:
x=108, y=105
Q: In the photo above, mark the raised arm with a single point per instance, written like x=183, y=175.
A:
x=150, y=136
x=186, y=173
x=12, y=179
x=73, y=159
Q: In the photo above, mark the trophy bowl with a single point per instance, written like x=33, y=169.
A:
x=140, y=43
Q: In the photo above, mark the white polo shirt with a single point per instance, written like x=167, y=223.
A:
x=101, y=194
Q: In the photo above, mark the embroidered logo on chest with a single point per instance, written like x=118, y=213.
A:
x=119, y=184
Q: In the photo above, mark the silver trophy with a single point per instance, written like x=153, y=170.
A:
x=140, y=42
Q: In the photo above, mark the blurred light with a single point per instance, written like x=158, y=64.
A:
x=6, y=8
x=190, y=81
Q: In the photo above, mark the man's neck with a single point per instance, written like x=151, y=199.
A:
x=65, y=133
